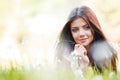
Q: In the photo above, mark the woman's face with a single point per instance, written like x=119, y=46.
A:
x=81, y=32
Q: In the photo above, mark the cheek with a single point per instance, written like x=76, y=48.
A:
x=91, y=36
x=75, y=36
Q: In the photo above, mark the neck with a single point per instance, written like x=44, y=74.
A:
x=87, y=48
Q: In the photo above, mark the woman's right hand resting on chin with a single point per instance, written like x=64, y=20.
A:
x=80, y=60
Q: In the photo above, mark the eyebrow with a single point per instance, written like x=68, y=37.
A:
x=82, y=26
x=85, y=25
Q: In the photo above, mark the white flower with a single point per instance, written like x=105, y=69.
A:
x=98, y=77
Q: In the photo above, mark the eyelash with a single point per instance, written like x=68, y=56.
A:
x=74, y=30
x=87, y=27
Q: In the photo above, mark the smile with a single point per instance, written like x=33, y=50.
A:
x=83, y=40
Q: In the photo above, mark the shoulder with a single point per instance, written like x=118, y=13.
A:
x=102, y=49
x=114, y=45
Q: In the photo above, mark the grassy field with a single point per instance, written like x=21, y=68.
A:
x=51, y=73
x=11, y=70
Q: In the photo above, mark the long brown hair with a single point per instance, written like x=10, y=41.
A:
x=66, y=38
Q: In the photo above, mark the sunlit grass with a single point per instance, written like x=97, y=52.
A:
x=49, y=72
x=27, y=31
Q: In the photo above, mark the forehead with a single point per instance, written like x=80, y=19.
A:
x=78, y=22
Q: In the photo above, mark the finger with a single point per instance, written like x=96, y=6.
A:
x=77, y=46
x=82, y=48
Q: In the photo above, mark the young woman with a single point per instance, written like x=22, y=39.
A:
x=82, y=42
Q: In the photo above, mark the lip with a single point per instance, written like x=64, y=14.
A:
x=83, y=40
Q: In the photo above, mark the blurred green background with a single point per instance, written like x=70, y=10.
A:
x=29, y=28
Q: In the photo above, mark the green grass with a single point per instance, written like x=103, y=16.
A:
x=13, y=71
x=51, y=73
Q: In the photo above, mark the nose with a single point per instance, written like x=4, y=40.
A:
x=81, y=32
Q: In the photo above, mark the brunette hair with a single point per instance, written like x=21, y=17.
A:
x=66, y=39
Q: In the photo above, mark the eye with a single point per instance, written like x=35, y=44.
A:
x=74, y=30
x=86, y=27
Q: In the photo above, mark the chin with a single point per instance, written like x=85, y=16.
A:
x=85, y=44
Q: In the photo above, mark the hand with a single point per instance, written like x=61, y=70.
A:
x=80, y=50
x=81, y=56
